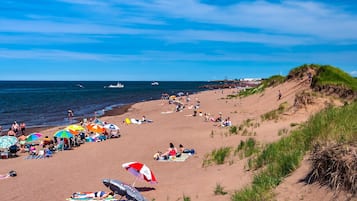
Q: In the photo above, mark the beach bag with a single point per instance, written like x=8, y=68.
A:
x=157, y=156
x=12, y=173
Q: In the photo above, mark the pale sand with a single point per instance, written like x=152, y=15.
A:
x=84, y=168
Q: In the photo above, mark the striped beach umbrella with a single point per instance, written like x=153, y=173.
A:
x=63, y=134
x=33, y=137
x=140, y=170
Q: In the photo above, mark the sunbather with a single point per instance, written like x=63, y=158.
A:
x=171, y=152
x=95, y=195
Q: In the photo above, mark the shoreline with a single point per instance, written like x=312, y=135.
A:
x=115, y=111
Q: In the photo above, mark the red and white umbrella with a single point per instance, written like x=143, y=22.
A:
x=141, y=171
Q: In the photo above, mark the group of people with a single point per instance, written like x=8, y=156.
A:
x=15, y=129
x=172, y=152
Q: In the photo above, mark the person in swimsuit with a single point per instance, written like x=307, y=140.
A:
x=95, y=195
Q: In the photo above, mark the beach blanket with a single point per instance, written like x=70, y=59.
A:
x=182, y=158
x=93, y=199
x=29, y=157
x=167, y=112
x=4, y=176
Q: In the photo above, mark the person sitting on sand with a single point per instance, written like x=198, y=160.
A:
x=183, y=150
x=94, y=195
x=171, y=152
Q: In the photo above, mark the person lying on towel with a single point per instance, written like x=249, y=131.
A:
x=95, y=195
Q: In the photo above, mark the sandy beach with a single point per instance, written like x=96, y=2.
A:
x=84, y=168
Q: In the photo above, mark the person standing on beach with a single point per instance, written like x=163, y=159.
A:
x=23, y=128
x=70, y=114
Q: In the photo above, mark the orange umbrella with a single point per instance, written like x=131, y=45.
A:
x=95, y=128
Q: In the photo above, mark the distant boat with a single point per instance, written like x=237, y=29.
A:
x=80, y=86
x=118, y=85
x=154, y=83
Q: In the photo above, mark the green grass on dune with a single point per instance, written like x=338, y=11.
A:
x=329, y=75
x=271, y=81
x=281, y=158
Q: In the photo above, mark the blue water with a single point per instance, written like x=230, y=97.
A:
x=45, y=103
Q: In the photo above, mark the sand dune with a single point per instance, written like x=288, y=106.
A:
x=83, y=168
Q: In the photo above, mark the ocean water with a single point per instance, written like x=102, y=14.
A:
x=45, y=103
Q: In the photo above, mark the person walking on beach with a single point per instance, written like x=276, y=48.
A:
x=279, y=95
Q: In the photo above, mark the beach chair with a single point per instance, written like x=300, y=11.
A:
x=41, y=154
x=48, y=153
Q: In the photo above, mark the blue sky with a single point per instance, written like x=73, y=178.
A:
x=172, y=39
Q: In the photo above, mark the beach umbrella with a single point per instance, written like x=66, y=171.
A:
x=123, y=189
x=95, y=128
x=75, y=129
x=63, y=134
x=140, y=170
x=98, y=121
x=33, y=137
x=7, y=141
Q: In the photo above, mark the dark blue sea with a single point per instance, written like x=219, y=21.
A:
x=45, y=103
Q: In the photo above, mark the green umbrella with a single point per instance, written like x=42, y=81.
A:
x=63, y=134
x=7, y=141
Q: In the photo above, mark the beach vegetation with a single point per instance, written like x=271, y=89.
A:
x=283, y=131
x=327, y=79
x=217, y=156
x=246, y=148
x=212, y=134
x=233, y=130
x=274, y=114
x=186, y=198
x=279, y=159
x=219, y=190
x=329, y=75
x=294, y=124
x=271, y=81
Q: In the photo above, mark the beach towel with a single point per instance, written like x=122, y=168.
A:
x=29, y=157
x=94, y=199
x=182, y=158
x=167, y=112
x=135, y=121
x=12, y=173
x=4, y=176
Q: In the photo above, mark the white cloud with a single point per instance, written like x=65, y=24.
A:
x=156, y=56
x=353, y=73
x=291, y=17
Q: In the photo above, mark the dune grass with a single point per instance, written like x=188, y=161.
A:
x=279, y=159
x=274, y=114
x=246, y=148
x=271, y=81
x=329, y=75
x=219, y=190
x=217, y=156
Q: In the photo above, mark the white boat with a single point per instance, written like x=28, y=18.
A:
x=80, y=86
x=118, y=85
x=154, y=83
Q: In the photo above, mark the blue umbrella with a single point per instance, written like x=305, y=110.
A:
x=63, y=134
x=123, y=189
x=7, y=141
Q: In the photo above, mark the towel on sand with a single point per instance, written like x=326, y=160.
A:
x=182, y=158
